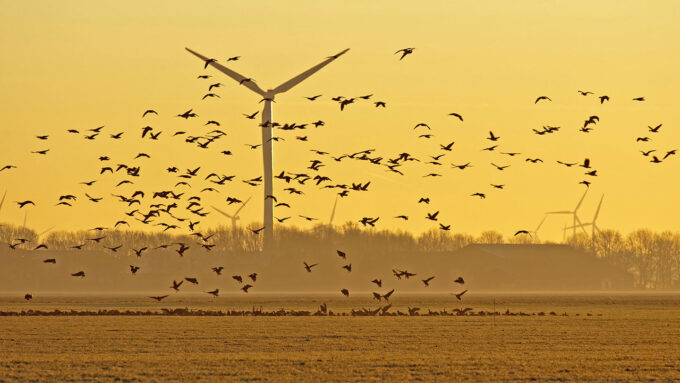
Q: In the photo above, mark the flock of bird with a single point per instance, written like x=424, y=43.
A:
x=176, y=209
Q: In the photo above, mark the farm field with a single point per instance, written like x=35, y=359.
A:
x=626, y=338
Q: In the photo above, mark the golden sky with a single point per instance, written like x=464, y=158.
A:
x=82, y=64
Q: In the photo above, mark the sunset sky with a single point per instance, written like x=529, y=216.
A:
x=83, y=64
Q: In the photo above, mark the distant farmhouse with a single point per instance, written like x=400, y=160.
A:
x=535, y=267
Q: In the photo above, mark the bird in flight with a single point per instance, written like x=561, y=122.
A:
x=24, y=203
x=159, y=298
x=251, y=116
x=655, y=129
x=308, y=267
x=405, y=52
x=459, y=295
x=458, y=116
x=542, y=98
x=313, y=97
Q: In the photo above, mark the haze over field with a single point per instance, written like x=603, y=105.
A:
x=81, y=65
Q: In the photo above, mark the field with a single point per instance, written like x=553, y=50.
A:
x=626, y=337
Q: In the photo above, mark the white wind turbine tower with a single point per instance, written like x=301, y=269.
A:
x=593, y=224
x=573, y=214
x=235, y=217
x=267, y=122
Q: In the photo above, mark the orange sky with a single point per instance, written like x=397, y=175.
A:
x=80, y=64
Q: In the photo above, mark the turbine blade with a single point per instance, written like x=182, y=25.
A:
x=540, y=224
x=302, y=76
x=46, y=231
x=242, y=206
x=597, y=212
x=579, y=226
x=330, y=222
x=221, y=212
x=2, y=202
x=581, y=200
x=236, y=76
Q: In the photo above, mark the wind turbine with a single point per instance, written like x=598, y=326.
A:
x=593, y=224
x=573, y=214
x=267, y=123
x=234, y=218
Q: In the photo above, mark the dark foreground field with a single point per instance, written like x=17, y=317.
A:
x=626, y=338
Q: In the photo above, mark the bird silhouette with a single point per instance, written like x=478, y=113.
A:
x=542, y=98
x=457, y=115
x=404, y=52
x=459, y=295
x=492, y=137
x=655, y=129
x=427, y=281
x=159, y=297
x=345, y=292
x=79, y=274
x=176, y=285
x=309, y=267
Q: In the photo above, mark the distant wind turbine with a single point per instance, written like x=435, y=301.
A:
x=573, y=214
x=235, y=217
x=267, y=122
x=593, y=223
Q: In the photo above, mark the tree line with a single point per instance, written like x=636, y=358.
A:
x=652, y=258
